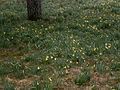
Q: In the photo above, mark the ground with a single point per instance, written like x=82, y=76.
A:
x=75, y=46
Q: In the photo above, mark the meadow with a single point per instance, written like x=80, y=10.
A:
x=75, y=46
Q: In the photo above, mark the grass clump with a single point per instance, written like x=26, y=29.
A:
x=115, y=67
x=100, y=67
x=83, y=78
x=38, y=86
x=9, y=86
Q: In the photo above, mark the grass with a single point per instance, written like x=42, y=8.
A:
x=71, y=34
x=82, y=78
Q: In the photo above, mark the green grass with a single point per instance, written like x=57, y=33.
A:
x=82, y=78
x=71, y=33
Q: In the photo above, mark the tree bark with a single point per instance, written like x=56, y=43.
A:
x=34, y=9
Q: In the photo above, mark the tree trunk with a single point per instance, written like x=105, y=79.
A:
x=34, y=9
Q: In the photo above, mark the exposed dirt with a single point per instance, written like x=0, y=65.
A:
x=72, y=73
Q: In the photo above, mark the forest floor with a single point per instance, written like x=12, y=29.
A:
x=75, y=46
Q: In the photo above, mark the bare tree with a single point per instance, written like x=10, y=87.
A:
x=34, y=9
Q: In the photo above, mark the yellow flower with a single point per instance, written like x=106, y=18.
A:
x=38, y=68
x=50, y=79
x=108, y=45
x=55, y=59
x=47, y=57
